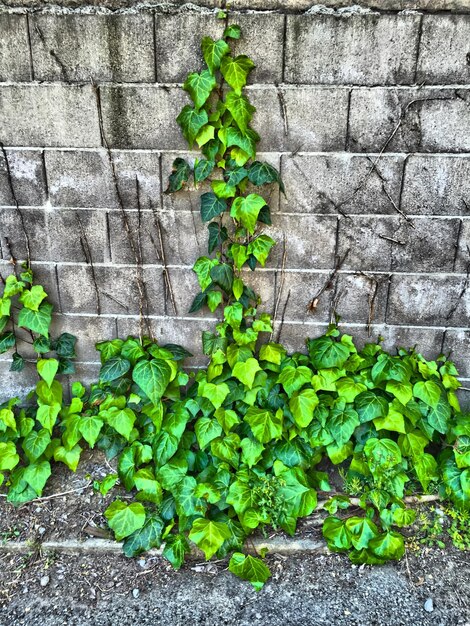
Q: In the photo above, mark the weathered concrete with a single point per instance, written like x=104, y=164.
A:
x=361, y=49
x=48, y=115
x=14, y=48
x=342, y=111
x=93, y=47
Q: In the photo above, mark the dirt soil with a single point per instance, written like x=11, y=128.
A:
x=429, y=587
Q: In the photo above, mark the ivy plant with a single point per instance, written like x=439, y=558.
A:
x=239, y=450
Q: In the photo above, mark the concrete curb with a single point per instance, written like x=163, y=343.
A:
x=279, y=545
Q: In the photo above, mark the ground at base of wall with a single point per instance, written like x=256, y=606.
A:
x=46, y=590
x=428, y=587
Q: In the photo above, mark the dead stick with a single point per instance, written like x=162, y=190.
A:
x=16, y=203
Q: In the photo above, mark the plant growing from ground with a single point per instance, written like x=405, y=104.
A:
x=240, y=449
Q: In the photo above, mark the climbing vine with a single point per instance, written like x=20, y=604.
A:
x=245, y=446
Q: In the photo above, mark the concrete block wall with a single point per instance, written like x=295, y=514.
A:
x=366, y=113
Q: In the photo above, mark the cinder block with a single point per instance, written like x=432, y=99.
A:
x=298, y=289
x=361, y=298
x=14, y=384
x=184, y=237
x=49, y=115
x=300, y=118
x=88, y=331
x=55, y=235
x=79, y=179
x=117, y=288
x=457, y=347
x=361, y=49
x=436, y=185
x=294, y=336
x=420, y=119
x=368, y=241
x=321, y=183
x=428, y=300
x=428, y=247
x=426, y=341
x=79, y=47
x=184, y=332
x=142, y=116
x=443, y=50
x=27, y=178
x=261, y=40
x=14, y=48
x=84, y=178
x=310, y=241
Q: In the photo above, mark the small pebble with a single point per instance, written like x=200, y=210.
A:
x=135, y=593
x=142, y=562
x=41, y=530
x=429, y=605
x=44, y=581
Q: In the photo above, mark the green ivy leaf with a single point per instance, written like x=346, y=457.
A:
x=260, y=248
x=215, y=393
x=336, y=534
x=236, y=70
x=326, y=353
x=176, y=547
x=302, y=405
x=246, y=210
x=246, y=143
x=293, y=378
x=7, y=341
x=36, y=475
x=217, y=235
x=249, y=568
x=152, y=377
x=206, y=430
x=125, y=519
x=211, y=206
x=202, y=170
x=32, y=298
x=272, y=353
x=90, y=427
x=37, y=321
x=35, y=444
x=225, y=448
x=222, y=189
x=361, y=531
x=47, y=414
x=145, y=538
x=427, y=391
x=246, y=371
x=200, y=86
x=251, y=451
x=191, y=122
x=342, y=422
x=233, y=31
x=222, y=275
x=265, y=425
x=264, y=173
x=240, y=108
x=47, y=369
x=213, y=52
x=8, y=456
x=70, y=458
x=179, y=176
x=370, y=406
x=209, y=535
x=388, y=546
x=438, y=417
x=113, y=369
